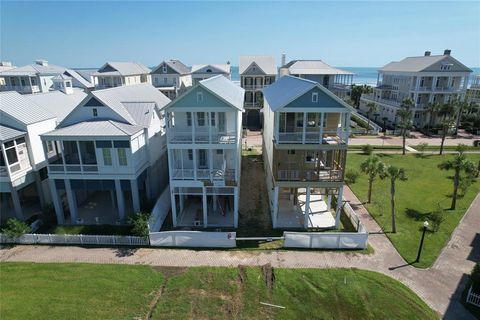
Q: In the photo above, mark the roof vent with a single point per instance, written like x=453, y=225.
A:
x=447, y=52
x=42, y=62
x=427, y=53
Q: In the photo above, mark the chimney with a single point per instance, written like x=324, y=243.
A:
x=284, y=58
x=41, y=62
x=427, y=53
x=447, y=52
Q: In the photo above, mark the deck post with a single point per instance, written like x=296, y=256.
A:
x=120, y=200
x=307, y=209
x=135, y=195
x=72, y=201
x=236, y=199
x=205, y=207
x=57, y=204
x=339, y=207
x=275, y=207
x=16, y=203
x=174, y=207
x=329, y=202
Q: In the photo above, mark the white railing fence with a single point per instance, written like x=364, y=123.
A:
x=196, y=239
x=160, y=211
x=80, y=239
x=352, y=215
x=473, y=298
x=326, y=240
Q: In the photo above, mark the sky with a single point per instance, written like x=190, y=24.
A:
x=358, y=34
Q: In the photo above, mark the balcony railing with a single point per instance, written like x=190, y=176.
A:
x=24, y=89
x=390, y=102
x=185, y=137
x=3, y=172
x=328, y=137
x=253, y=86
x=204, y=174
x=73, y=168
x=310, y=175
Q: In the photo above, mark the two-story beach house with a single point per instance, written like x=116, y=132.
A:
x=103, y=153
x=256, y=72
x=116, y=74
x=473, y=93
x=204, y=71
x=424, y=79
x=336, y=80
x=305, y=135
x=38, y=77
x=172, y=78
x=204, y=154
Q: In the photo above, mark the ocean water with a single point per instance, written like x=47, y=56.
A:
x=363, y=75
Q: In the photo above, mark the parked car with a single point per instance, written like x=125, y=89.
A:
x=35, y=222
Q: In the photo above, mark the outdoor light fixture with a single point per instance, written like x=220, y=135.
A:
x=425, y=227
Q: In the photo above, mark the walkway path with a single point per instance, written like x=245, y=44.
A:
x=440, y=286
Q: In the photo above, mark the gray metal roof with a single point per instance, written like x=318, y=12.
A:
x=285, y=90
x=7, y=133
x=313, y=67
x=176, y=65
x=77, y=76
x=266, y=63
x=22, y=109
x=225, y=89
x=124, y=68
x=57, y=102
x=420, y=63
x=102, y=128
x=220, y=68
x=141, y=112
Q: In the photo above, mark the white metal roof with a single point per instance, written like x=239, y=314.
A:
x=7, y=133
x=266, y=63
x=313, y=67
x=225, y=89
x=57, y=102
x=141, y=112
x=124, y=68
x=223, y=68
x=102, y=128
x=22, y=109
x=420, y=63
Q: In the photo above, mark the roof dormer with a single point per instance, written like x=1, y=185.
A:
x=63, y=83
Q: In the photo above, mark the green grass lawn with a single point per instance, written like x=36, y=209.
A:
x=416, y=198
x=84, y=291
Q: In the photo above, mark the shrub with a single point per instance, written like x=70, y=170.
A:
x=367, y=149
x=351, y=176
x=437, y=217
x=15, y=228
x=140, y=224
x=422, y=147
x=461, y=148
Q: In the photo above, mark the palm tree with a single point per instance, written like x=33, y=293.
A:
x=394, y=174
x=405, y=115
x=460, y=107
x=372, y=107
x=459, y=163
x=372, y=166
x=432, y=110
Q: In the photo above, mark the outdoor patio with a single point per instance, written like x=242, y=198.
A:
x=192, y=215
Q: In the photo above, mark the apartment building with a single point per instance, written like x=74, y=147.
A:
x=204, y=154
x=204, y=71
x=305, y=136
x=117, y=74
x=473, y=93
x=424, y=79
x=172, y=78
x=256, y=72
x=103, y=154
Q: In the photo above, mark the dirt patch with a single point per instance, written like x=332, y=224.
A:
x=169, y=272
x=268, y=276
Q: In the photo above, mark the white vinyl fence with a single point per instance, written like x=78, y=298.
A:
x=160, y=211
x=473, y=298
x=326, y=240
x=75, y=239
x=350, y=213
x=198, y=239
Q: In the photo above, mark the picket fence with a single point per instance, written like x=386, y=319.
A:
x=80, y=239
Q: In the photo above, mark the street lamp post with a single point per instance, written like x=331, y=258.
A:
x=425, y=227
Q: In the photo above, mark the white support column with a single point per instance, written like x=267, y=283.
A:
x=57, y=204
x=339, y=207
x=304, y=127
x=329, y=202
x=38, y=185
x=210, y=163
x=275, y=207
x=209, y=118
x=347, y=129
x=17, y=207
x=194, y=153
x=236, y=199
x=307, y=209
x=434, y=83
x=135, y=195
x=322, y=117
x=205, y=207
x=174, y=207
x=72, y=201
x=193, y=126
x=180, y=201
x=417, y=84
x=120, y=200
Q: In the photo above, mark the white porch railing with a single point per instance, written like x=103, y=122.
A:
x=309, y=175
x=473, y=298
x=74, y=168
x=185, y=137
x=311, y=137
x=76, y=239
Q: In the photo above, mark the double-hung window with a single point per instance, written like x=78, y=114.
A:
x=201, y=119
x=122, y=156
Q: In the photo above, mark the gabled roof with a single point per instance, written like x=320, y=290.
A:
x=221, y=68
x=7, y=133
x=58, y=103
x=176, y=65
x=266, y=63
x=312, y=67
x=420, y=63
x=101, y=128
x=62, y=77
x=288, y=88
x=225, y=89
x=77, y=76
x=141, y=112
x=22, y=109
x=122, y=68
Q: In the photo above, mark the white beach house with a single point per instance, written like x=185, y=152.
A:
x=256, y=72
x=172, y=78
x=204, y=152
x=305, y=135
x=424, y=79
x=116, y=74
x=204, y=71
x=109, y=152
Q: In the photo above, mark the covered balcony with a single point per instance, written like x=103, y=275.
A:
x=23, y=84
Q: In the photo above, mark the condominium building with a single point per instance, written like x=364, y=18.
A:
x=204, y=154
x=305, y=136
x=336, y=80
x=38, y=77
x=424, y=79
x=473, y=93
x=116, y=74
x=204, y=71
x=103, y=154
x=172, y=78
x=256, y=72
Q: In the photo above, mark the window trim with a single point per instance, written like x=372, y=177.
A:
x=314, y=97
